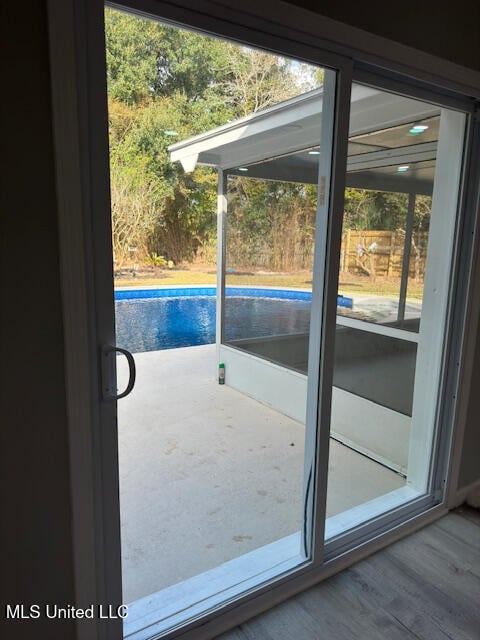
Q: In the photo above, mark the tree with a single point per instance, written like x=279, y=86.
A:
x=270, y=225
x=257, y=80
x=167, y=84
x=132, y=66
x=146, y=59
x=382, y=210
x=178, y=207
x=162, y=84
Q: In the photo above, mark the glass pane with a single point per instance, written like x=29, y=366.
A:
x=269, y=236
x=398, y=226
x=269, y=262
x=383, y=256
x=211, y=475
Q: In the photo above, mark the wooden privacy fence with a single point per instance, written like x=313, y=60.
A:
x=380, y=253
x=369, y=252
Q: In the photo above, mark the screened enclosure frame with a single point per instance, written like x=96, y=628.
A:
x=283, y=159
x=81, y=144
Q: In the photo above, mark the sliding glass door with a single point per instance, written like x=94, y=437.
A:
x=264, y=330
x=399, y=224
x=218, y=441
x=283, y=246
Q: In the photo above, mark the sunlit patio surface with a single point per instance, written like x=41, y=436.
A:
x=207, y=473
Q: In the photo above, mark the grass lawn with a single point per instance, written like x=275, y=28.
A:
x=206, y=274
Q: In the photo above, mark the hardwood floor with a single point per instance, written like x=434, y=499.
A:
x=424, y=587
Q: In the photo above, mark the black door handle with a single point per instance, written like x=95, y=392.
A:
x=109, y=377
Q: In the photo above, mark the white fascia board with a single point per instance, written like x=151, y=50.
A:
x=258, y=115
x=189, y=162
x=293, y=125
x=222, y=147
x=273, y=144
x=285, y=114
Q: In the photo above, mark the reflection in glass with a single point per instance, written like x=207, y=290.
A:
x=383, y=350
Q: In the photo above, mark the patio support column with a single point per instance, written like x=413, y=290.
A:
x=407, y=250
x=221, y=226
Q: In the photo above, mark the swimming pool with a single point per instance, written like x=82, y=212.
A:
x=156, y=319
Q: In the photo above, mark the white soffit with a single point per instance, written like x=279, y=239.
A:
x=281, y=129
x=292, y=126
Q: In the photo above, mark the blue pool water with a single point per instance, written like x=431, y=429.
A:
x=155, y=319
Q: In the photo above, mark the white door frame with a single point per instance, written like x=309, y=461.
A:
x=80, y=131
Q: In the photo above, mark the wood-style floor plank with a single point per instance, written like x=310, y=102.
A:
x=462, y=528
x=468, y=513
x=424, y=587
x=416, y=601
x=349, y=603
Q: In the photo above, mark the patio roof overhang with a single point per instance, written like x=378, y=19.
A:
x=275, y=144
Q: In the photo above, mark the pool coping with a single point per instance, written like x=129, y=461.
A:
x=139, y=293
x=353, y=294
x=285, y=293
x=205, y=286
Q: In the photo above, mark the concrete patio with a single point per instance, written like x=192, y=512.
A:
x=208, y=474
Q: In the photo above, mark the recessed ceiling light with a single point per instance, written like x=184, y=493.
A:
x=418, y=128
x=314, y=153
x=170, y=132
x=402, y=168
x=242, y=169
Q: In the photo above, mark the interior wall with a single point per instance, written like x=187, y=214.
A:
x=470, y=462
x=36, y=545
x=36, y=531
x=445, y=29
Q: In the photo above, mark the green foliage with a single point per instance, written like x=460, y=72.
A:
x=182, y=206
x=156, y=260
x=131, y=56
x=146, y=59
x=257, y=80
x=167, y=84
x=383, y=210
x=270, y=225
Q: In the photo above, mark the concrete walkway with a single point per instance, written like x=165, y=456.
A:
x=207, y=473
